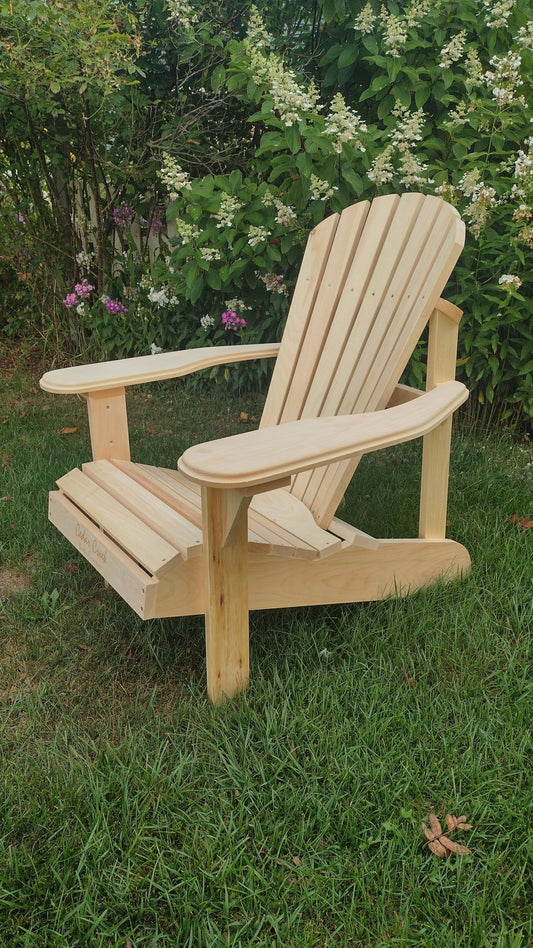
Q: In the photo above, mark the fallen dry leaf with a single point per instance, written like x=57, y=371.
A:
x=523, y=522
x=438, y=842
x=68, y=430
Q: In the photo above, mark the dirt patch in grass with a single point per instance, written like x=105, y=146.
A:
x=13, y=581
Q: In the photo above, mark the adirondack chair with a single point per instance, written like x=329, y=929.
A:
x=249, y=521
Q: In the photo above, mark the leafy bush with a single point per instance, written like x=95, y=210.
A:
x=250, y=141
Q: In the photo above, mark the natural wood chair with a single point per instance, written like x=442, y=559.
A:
x=248, y=522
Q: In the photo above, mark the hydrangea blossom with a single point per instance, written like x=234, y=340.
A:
x=364, y=22
x=504, y=78
x=498, y=12
x=452, y=52
x=173, y=177
x=510, y=281
x=229, y=205
x=320, y=190
x=290, y=99
x=344, y=125
x=209, y=253
x=257, y=235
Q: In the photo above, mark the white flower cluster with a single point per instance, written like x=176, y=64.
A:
x=290, y=99
x=180, y=13
x=482, y=200
x=394, y=31
x=504, y=79
x=256, y=33
x=364, y=22
x=161, y=297
x=417, y=10
x=510, y=281
x=523, y=166
x=285, y=216
x=344, y=125
x=236, y=306
x=84, y=259
x=382, y=169
x=172, y=176
x=257, y=235
x=459, y=116
x=320, y=190
x=207, y=321
x=409, y=128
x=185, y=231
x=209, y=253
x=473, y=69
x=524, y=37
x=498, y=13
x=453, y=51
x=229, y=206
x=408, y=131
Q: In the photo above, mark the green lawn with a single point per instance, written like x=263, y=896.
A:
x=134, y=814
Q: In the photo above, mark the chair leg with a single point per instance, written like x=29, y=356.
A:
x=434, y=484
x=225, y=531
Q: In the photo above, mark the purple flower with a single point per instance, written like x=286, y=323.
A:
x=70, y=300
x=115, y=307
x=230, y=320
x=84, y=289
x=122, y=215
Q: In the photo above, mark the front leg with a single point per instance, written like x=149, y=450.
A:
x=225, y=531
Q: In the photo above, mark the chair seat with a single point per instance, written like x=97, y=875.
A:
x=154, y=515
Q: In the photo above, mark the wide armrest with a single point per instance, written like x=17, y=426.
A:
x=270, y=454
x=101, y=376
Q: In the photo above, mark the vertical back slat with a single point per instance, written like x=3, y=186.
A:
x=307, y=286
x=341, y=254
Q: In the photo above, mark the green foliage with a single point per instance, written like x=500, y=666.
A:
x=201, y=109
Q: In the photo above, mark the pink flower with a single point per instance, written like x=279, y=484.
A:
x=70, y=300
x=115, y=307
x=230, y=320
x=84, y=289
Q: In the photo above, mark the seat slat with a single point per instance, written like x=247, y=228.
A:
x=172, y=526
x=299, y=536
x=145, y=546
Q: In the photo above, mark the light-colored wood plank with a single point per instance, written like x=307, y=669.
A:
x=307, y=286
x=159, y=516
x=282, y=509
x=108, y=424
x=265, y=455
x=354, y=574
x=101, y=376
x=442, y=356
x=134, y=585
x=319, y=324
x=154, y=553
x=226, y=581
x=352, y=536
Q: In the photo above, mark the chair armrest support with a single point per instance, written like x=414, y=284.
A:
x=106, y=376
x=269, y=454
